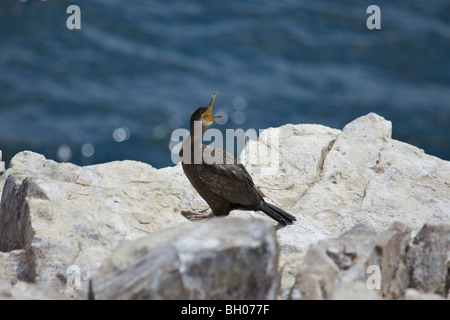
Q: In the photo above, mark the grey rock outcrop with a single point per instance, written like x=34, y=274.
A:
x=364, y=264
x=345, y=261
x=428, y=259
x=56, y=215
x=221, y=258
x=14, y=267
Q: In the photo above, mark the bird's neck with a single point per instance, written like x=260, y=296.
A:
x=192, y=145
x=195, y=135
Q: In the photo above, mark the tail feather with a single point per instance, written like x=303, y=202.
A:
x=278, y=214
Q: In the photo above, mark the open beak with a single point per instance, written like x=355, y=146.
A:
x=207, y=115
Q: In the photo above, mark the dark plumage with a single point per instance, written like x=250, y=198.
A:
x=225, y=185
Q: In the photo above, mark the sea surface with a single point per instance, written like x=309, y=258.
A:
x=136, y=70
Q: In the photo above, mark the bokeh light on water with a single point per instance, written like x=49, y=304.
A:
x=121, y=134
x=64, y=153
x=87, y=150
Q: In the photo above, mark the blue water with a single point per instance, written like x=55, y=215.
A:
x=136, y=70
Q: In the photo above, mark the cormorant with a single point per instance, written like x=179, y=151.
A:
x=223, y=183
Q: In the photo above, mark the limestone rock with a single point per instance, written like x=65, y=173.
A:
x=333, y=267
x=14, y=267
x=28, y=291
x=64, y=215
x=413, y=294
x=332, y=180
x=223, y=258
x=356, y=290
x=429, y=260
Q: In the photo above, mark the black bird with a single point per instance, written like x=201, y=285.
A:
x=220, y=179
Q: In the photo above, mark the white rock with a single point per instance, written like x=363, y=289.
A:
x=413, y=294
x=366, y=177
x=332, y=180
x=28, y=291
x=354, y=291
x=64, y=215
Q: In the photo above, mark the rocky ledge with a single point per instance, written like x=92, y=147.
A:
x=373, y=217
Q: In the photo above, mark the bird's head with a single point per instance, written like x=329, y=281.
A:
x=204, y=114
